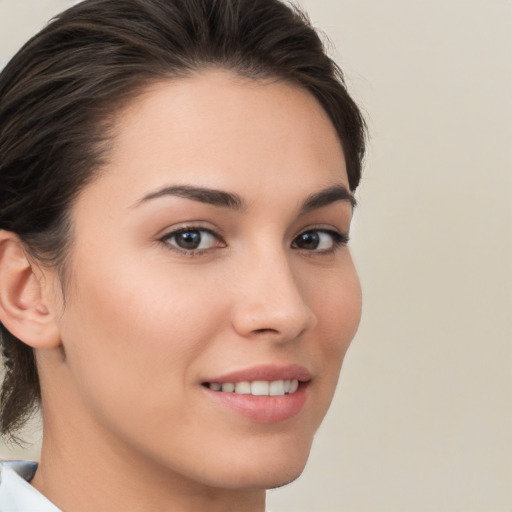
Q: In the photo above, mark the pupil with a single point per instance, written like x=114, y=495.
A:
x=309, y=240
x=188, y=239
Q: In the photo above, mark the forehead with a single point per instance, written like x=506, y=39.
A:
x=219, y=130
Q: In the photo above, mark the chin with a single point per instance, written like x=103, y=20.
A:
x=285, y=479
x=264, y=470
x=262, y=479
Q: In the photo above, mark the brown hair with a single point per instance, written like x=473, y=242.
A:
x=61, y=89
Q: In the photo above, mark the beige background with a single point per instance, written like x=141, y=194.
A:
x=423, y=416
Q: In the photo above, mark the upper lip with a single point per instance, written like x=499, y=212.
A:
x=268, y=372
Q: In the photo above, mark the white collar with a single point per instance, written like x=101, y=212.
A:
x=16, y=494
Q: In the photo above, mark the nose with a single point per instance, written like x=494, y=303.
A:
x=269, y=301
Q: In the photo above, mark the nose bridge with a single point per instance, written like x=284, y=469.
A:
x=270, y=299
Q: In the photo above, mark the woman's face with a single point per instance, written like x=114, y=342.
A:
x=211, y=253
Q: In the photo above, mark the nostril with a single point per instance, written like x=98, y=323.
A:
x=265, y=331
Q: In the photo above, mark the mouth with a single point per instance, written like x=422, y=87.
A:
x=265, y=394
x=256, y=387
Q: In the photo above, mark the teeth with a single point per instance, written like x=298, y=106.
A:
x=276, y=388
x=294, y=385
x=257, y=387
x=243, y=388
x=260, y=388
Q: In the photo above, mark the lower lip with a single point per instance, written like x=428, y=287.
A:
x=264, y=409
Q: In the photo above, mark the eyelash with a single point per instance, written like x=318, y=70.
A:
x=338, y=240
x=191, y=229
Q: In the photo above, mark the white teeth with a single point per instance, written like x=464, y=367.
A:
x=276, y=388
x=243, y=388
x=257, y=387
x=260, y=388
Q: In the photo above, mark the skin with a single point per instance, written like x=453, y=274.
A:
x=144, y=323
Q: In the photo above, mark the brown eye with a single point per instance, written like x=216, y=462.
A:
x=309, y=240
x=188, y=239
x=192, y=239
x=319, y=240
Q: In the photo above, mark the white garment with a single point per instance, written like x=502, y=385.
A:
x=16, y=494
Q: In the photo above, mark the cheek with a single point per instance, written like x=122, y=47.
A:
x=342, y=313
x=336, y=301
x=133, y=331
x=338, y=310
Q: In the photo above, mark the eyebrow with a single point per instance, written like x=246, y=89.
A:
x=201, y=194
x=328, y=196
x=233, y=201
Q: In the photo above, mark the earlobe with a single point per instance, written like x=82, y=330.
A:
x=24, y=309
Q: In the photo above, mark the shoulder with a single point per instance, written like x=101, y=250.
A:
x=16, y=494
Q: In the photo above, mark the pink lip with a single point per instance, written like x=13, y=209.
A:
x=264, y=409
x=265, y=372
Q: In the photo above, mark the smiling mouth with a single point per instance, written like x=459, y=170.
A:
x=256, y=387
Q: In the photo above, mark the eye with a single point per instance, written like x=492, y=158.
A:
x=320, y=240
x=192, y=239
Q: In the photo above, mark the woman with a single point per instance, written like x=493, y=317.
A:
x=177, y=293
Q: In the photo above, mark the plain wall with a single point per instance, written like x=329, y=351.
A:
x=422, y=420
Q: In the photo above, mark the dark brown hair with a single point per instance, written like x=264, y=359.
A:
x=60, y=92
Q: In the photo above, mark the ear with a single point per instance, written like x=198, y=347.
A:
x=25, y=310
